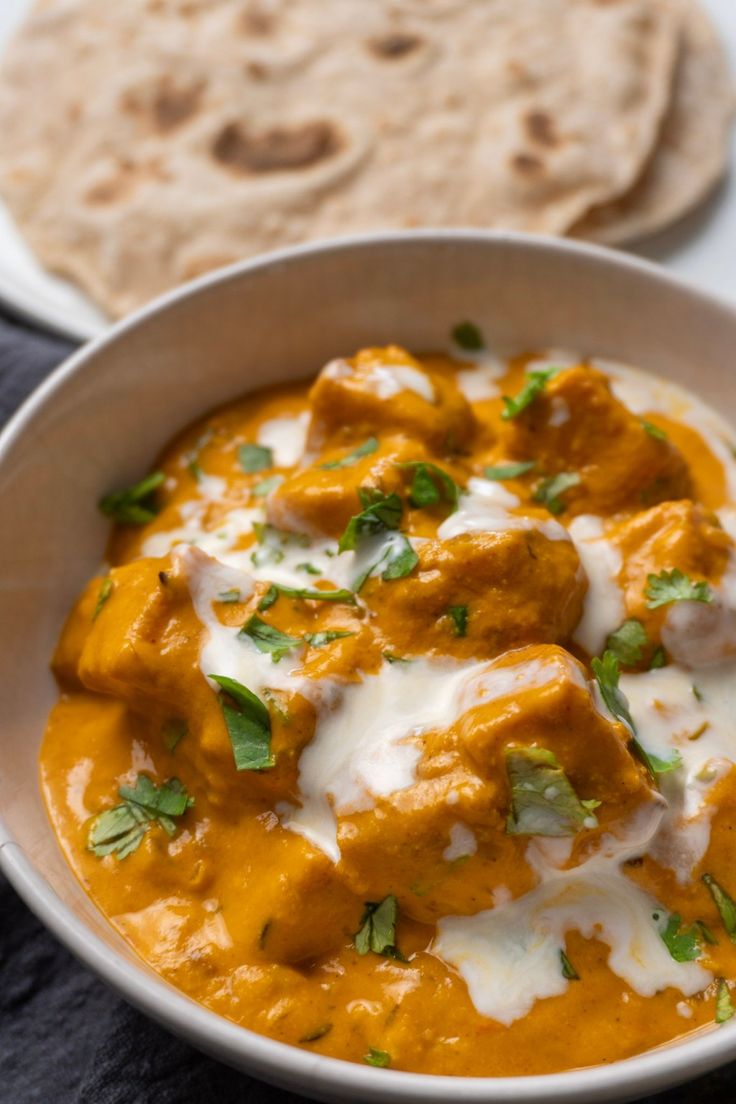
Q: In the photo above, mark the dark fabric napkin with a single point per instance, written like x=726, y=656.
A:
x=66, y=1038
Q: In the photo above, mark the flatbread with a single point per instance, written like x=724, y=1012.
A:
x=692, y=153
x=148, y=141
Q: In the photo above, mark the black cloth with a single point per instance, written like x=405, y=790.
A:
x=64, y=1037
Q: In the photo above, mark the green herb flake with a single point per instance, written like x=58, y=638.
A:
x=366, y=449
x=430, y=485
x=653, y=430
x=675, y=586
x=134, y=505
x=628, y=642
x=255, y=458
x=724, y=1004
x=228, y=597
x=659, y=658
x=697, y=693
x=510, y=471
x=319, y=639
x=543, y=802
x=682, y=943
x=275, y=590
x=379, y=1058
x=194, y=470
x=380, y=512
x=401, y=559
x=468, y=336
x=269, y=639
x=567, y=968
x=267, y=485
x=724, y=903
x=459, y=617
x=106, y=589
x=607, y=674
x=309, y=568
x=377, y=930
x=536, y=382
x=550, y=490
x=172, y=732
x=706, y=935
x=120, y=830
x=248, y=725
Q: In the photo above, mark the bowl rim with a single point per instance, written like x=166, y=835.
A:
x=280, y=1062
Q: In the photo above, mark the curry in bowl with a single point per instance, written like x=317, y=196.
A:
x=399, y=725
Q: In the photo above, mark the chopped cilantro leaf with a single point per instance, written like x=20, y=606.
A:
x=318, y=1033
x=549, y=490
x=459, y=617
x=229, y=596
x=653, y=430
x=675, y=586
x=628, y=642
x=195, y=470
x=366, y=449
x=682, y=943
x=659, y=658
x=430, y=484
x=267, y=485
x=607, y=674
x=379, y=1058
x=319, y=639
x=106, y=587
x=706, y=934
x=172, y=732
x=309, y=568
x=724, y=903
x=121, y=829
x=510, y=471
x=248, y=725
x=255, y=458
x=401, y=559
x=468, y=337
x=377, y=930
x=134, y=505
x=307, y=593
x=543, y=803
x=380, y=512
x=724, y=1004
x=568, y=970
x=536, y=381
x=269, y=639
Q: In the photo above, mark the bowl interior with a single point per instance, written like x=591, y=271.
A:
x=101, y=421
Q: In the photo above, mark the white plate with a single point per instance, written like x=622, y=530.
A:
x=700, y=248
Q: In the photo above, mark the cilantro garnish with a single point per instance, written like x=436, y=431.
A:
x=659, y=658
x=269, y=639
x=536, y=382
x=106, y=588
x=248, y=725
x=275, y=590
x=628, y=642
x=309, y=568
x=724, y=1005
x=430, y=484
x=654, y=431
x=318, y=1033
x=549, y=490
x=319, y=639
x=607, y=674
x=510, y=471
x=380, y=512
x=459, y=617
x=724, y=903
x=682, y=943
x=134, y=505
x=255, y=458
x=267, y=485
x=366, y=449
x=379, y=1058
x=120, y=830
x=468, y=336
x=675, y=586
x=568, y=970
x=229, y=596
x=172, y=732
x=377, y=930
x=543, y=803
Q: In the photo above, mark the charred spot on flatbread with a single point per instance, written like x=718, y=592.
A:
x=279, y=149
x=540, y=127
x=395, y=45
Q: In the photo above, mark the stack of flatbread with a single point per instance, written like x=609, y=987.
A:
x=147, y=141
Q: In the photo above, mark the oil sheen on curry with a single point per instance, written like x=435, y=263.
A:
x=399, y=725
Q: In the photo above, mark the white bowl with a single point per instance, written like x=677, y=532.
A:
x=102, y=417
